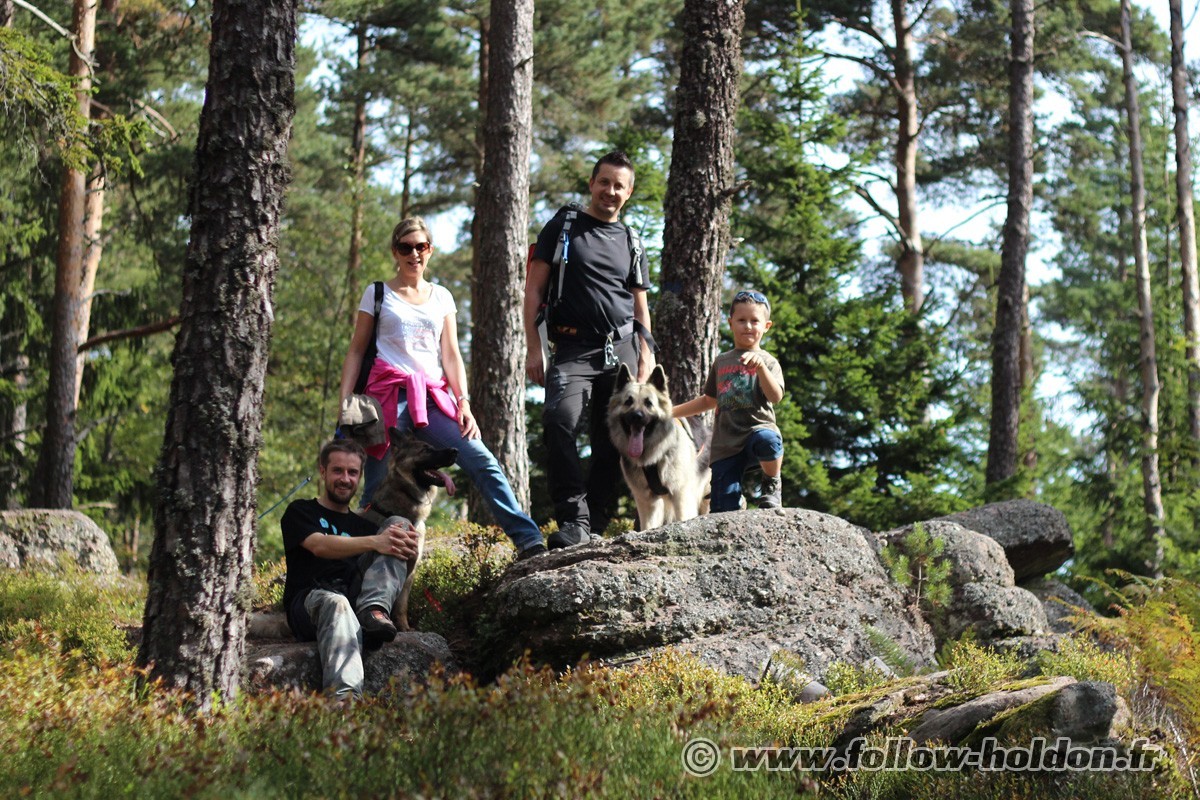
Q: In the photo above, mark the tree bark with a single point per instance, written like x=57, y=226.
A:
x=6, y=13
x=1185, y=214
x=358, y=170
x=699, y=193
x=93, y=249
x=201, y=559
x=1007, y=373
x=502, y=227
x=911, y=263
x=1151, y=478
x=53, y=484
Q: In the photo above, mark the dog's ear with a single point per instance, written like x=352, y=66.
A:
x=624, y=377
x=398, y=437
x=658, y=378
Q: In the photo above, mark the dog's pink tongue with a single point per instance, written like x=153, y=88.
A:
x=447, y=481
x=636, y=444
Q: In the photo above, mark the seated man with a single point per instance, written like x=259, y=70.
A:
x=343, y=573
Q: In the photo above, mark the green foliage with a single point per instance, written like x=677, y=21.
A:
x=268, y=585
x=1158, y=625
x=39, y=101
x=842, y=678
x=975, y=669
x=68, y=612
x=862, y=374
x=916, y=563
x=1080, y=657
x=458, y=567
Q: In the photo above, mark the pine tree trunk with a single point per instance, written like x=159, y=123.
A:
x=699, y=193
x=201, y=558
x=1004, y=439
x=911, y=263
x=93, y=249
x=1151, y=479
x=358, y=173
x=1186, y=216
x=53, y=483
x=502, y=227
x=6, y=13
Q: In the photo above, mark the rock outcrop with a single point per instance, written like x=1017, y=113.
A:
x=1036, y=537
x=410, y=660
x=984, y=599
x=40, y=537
x=731, y=588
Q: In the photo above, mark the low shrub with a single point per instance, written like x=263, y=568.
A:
x=975, y=669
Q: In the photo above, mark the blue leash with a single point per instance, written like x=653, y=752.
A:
x=285, y=497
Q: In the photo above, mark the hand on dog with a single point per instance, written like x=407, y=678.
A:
x=399, y=540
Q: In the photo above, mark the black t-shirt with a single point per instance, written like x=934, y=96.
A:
x=598, y=274
x=304, y=570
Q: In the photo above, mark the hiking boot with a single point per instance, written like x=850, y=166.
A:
x=377, y=626
x=770, y=492
x=533, y=551
x=569, y=535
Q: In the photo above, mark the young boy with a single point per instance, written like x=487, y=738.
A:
x=742, y=385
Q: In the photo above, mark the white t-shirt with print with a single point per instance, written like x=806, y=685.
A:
x=409, y=337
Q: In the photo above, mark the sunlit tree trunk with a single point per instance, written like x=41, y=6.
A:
x=1186, y=217
x=53, y=479
x=1151, y=478
x=699, y=193
x=358, y=171
x=193, y=635
x=1011, y=294
x=911, y=263
x=93, y=249
x=502, y=231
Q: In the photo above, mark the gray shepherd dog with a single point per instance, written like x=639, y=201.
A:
x=409, y=489
x=665, y=473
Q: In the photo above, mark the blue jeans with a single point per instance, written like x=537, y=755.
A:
x=474, y=459
x=761, y=445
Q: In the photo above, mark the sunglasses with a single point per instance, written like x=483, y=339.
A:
x=406, y=249
x=754, y=297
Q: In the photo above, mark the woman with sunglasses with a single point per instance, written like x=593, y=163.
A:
x=420, y=381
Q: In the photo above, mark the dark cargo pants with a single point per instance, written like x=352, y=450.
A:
x=579, y=382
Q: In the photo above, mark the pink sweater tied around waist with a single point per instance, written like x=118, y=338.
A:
x=385, y=383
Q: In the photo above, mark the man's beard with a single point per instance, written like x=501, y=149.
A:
x=340, y=495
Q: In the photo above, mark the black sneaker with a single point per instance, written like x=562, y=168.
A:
x=569, y=535
x=532, y=552
x=770, y=492
x=377, y=626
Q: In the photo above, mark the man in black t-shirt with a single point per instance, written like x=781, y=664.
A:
x=343, y=573
x=599, y=293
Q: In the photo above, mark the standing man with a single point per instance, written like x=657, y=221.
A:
x=588, y=277
x=342, y=575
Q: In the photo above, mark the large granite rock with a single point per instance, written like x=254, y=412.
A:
x=410, y=660
x=1036, y=537
x=983, y=597
x=1059, y=601
x=731, y=588
x=37, y=536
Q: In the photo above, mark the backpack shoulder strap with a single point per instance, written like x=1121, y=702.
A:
x=364, y=369
x=562, y=250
